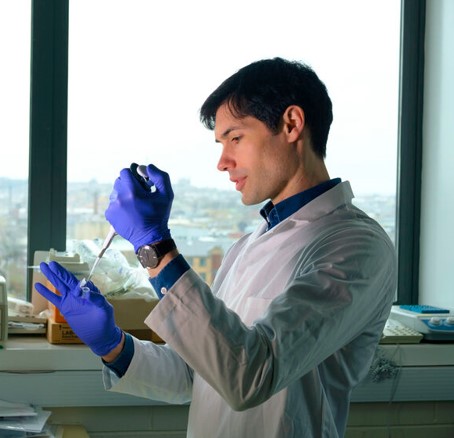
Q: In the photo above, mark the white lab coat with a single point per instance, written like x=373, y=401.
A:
x=288, y=328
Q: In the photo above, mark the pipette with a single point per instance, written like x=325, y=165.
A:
x=141, y=175
x=107, y=241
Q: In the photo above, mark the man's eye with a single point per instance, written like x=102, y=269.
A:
x=235, y=139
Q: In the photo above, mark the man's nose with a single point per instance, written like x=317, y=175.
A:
x=226, y=161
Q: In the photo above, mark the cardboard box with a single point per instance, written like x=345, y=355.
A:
x=61, y=333
x=130, y=314
x=55, y=313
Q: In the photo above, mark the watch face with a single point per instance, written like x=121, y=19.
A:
x=148, y=257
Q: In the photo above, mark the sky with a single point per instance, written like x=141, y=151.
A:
x=139, y=71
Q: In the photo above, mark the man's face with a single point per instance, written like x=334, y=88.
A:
x=260, y=164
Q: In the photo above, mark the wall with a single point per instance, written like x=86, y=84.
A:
x=401, y=420
x=367, y=420
x=437, y=224
x=127, y=421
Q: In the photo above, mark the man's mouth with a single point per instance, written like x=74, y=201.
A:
x=239, y=183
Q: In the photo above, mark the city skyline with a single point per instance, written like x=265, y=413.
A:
x=200, y=218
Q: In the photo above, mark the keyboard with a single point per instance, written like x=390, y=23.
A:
x=397, y=333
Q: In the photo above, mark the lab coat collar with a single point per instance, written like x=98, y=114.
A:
x=327, y=202
x=322, y=205
x=274, y=214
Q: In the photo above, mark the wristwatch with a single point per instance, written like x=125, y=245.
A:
x=150, y=255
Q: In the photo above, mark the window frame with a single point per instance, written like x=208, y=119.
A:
x=48, y=129
x=408, y=202
x=48, y=137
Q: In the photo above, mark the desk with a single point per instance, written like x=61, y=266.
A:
x=425, y=373
x=34, y=371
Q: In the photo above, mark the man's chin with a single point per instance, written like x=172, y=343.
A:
x=250, y=201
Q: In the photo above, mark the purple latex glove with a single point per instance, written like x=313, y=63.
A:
x=138, y=214
x=87, y=312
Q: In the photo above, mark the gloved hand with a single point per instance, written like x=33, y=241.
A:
x=87, y=312
x=138, y=214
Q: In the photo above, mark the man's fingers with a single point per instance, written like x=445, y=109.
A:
x=53, y=278
x=64, y=275
x=49, y=295
x=161, y=180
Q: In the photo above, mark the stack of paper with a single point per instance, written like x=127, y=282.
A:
x=18, y=420
x=26, y=325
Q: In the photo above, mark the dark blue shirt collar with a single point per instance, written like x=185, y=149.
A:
x=273, y=214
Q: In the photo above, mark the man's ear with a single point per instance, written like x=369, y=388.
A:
x=294, y=122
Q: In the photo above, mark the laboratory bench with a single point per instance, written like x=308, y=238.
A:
x=39, y=373
x=34, y=371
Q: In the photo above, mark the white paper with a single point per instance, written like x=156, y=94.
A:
x=28, y=423
x=8, y=409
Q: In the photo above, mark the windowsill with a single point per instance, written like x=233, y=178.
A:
x=40, y=373
x=422, y=372
x=422, y=354
x=35, y=353
x=48, y=375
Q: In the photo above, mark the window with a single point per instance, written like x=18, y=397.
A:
x=14, y=131
x=134, y=96
x=105, y=68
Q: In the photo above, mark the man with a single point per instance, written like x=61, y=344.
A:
x=292, y=320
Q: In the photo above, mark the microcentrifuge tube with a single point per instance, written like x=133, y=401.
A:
x=82, y=285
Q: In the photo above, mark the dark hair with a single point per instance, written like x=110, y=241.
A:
x=266, y=88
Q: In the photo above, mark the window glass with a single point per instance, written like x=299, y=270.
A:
x=140, y=70
x=14, y=141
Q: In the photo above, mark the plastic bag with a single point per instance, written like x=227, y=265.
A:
x=114, y=275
